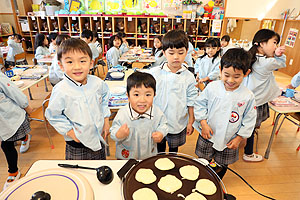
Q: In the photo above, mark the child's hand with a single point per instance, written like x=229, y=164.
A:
x=203, y=80
x=206, y=131
x=234, y=143
x=280, y=51
x=106, y=128
x=72, y=135
x=189, y=129
x=157, y=136
x=290, y=86
x=123, y=132
x=28, y=110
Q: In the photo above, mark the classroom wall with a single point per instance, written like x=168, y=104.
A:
x=260, y=8
x=6, y=15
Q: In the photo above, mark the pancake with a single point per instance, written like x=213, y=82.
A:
x=189, y=172
x=144, y=194
x=169, y=184
x=195, y=196
x=206, y=186
x=164, y=164
x=145, y=176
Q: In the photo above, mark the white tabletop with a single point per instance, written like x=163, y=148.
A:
x=30, y=82
x=111, y=191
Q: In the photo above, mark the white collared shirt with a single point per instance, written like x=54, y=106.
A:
x=134, y=115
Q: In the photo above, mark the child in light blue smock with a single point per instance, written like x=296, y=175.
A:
x=14, y=48
x=14, y=124
x=55, y=73
x=295, y=81
x=265, y=58
x=87, y=36
x=176, y=91
x=78, y=106
x=113, y=54
x=225, y=112
x=140, y=125
x=125, y=45
x=157, y=52
x=207, y=66
x=40, y=46
x=52, y=39
x=189, y=59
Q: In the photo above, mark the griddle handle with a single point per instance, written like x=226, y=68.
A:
x=123, y=171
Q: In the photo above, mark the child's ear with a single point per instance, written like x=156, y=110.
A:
x=61, y=66
x=92, y=64
x=247, y=73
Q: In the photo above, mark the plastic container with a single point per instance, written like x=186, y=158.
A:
x=50, y=10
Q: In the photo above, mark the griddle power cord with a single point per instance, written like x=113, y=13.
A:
x=246, y=182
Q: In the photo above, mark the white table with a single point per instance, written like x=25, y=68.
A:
x=143, y=56
x=111, y=191
x=46, y=60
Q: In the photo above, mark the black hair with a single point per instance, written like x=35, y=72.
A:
x=212, y=42
x=73, y=45
x=52, y=36
x=226, y=38
x=159, y=37
x=95, y=35
x=39, y=40
x=261, y=36
x=87, y=34
x=175, y=39
x=60, y=38
x=111, y=41
x=121, y=34
x=19, y=37
x=237, y=58
x=137, y=79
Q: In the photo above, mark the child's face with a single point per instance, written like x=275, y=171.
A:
x=54, y=42
x=211, y=51
x=268, y=48
x=117, y=42
x=141, y=98
x=232, y=78
x=45, y=41
x=76, y=65
x=85, y=39
x=157, y=43
x=224, y=43
x=17, y=40
x=175, y=57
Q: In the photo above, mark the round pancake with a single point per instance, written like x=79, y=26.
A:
x=195, y=196
x=189, y=172
x=206, y=186
x=145, y=176
x=144, y=194
x=169, y=183
x=164, y=164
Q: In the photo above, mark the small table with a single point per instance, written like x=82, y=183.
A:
x=281, y=110
x=101, y=191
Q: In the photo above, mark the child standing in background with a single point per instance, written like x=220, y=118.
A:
x=207, y=66
x=52, y=40
x=225, y=44
x=15, y=125
x=96, y=42
x=40, y=46
x=14, y=48
x=265, y=58
x=176, y=91
x=55, y=73
x=225, y=111
x=87, y=36
x=189, y=59
x=139, y=126
x=113, y=54
x=157, y=52
x=78, y=106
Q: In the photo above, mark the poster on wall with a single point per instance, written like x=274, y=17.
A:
x=291, y=37
x=216, y=26
x=113, y=6
x=152, y=4
x=132, y=5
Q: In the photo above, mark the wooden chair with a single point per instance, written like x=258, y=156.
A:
x=35, y=116
x=2, y=64
x=20, y=56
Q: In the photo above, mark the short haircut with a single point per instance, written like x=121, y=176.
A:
x=175, y=39
x=237, y=58
x=73, y=45
x=52, y=36
x=111, y=40
x=137, y=79
x=60, y=38
x=226, y=38
x=87, y=34
x=17, y=36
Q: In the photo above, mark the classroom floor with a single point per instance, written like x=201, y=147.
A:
x=277, y=177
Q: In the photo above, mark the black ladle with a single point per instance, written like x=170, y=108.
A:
x=104, y=173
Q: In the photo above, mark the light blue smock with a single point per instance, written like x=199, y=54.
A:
x=261, y=81
x=94, y=50
x=123, y=48
x=175, y=92
x=14, y=48
x=296, y=80
x=41, y=52
x=81, y=108
x=228, y=113
x=112, y=57
x=55, y=73
x=139, y=144
x=189, y=59
x=206, y=68
x=12, y=104
x=159, y=60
